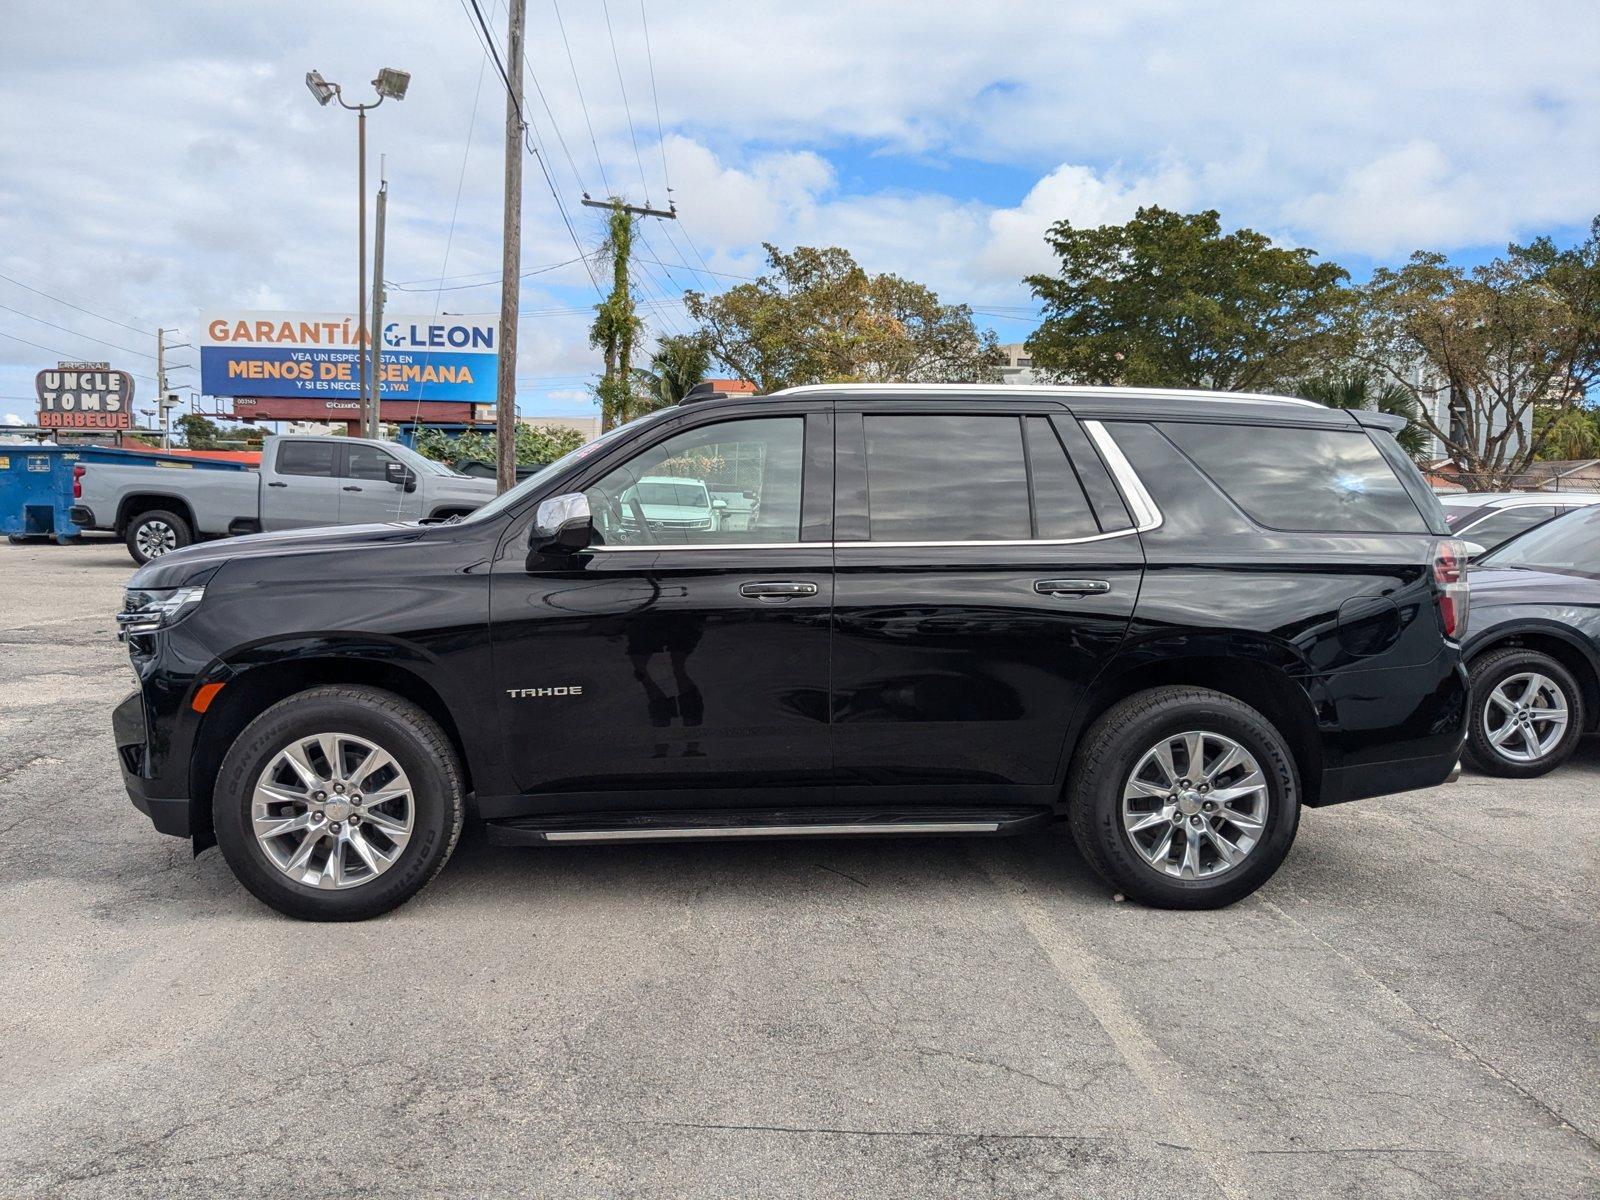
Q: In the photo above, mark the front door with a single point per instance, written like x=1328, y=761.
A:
x=304, y=489
x=978, y=593
x=365, y=493
x=687, y=650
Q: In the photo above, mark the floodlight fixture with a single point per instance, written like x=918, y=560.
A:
x=392, y=84
x=320, y=87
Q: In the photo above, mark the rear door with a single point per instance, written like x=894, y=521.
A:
x=303, y=488
x=986, y=570
x=365, y=493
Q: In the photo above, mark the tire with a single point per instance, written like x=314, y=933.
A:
x=156, y=532
x=353, y=890
x=1119, y=753
x=1503, y=667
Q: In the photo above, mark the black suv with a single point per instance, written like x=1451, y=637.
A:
x=1170, y=618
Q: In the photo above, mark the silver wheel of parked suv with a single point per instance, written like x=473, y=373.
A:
x=1527, y=713
x=1195, y=804
x=333, y=810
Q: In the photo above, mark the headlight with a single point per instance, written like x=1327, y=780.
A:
x=146, y=610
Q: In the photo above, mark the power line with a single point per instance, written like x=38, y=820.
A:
x=74, y=332
x=555, y=125
x=62, y=353
x=599, y=162
x=495, y=282
x=79, y=307
x=493, y=50
x=661, y=137
x=627, y=110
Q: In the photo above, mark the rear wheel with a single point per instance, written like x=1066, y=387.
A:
x=1184, y=798
x=1527, y=713
x=157, y=532
x=338, y=803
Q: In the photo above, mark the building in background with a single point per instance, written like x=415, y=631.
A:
x=589, y=427
x=1018, y=367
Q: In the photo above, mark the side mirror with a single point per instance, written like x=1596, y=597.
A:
x=562, y=525
x=1473, y=550
x=719, y=504
x=399, y=473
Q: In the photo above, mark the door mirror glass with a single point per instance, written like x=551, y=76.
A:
x=562, y=525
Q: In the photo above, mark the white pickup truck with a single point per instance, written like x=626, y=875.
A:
x=302, y=481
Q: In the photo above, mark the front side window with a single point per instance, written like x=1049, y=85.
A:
x=307, y=458
x=1569, y=543
x=1306, y=480
x=366, y=462
x=950, y=478
x=736, y=482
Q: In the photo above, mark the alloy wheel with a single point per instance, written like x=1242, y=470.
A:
x=156, y=538
x=1525, y=717
x=332, y=810
x=1195, y=805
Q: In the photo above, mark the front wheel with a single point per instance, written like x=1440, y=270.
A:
x=338, y=803
x=1183, y=797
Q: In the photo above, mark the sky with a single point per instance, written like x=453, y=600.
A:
x=156, y=161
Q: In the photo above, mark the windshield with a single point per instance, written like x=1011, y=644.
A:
x=688, y=494
x=539, y=479
x=1569, y=543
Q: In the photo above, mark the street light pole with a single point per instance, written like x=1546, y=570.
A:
x=389, y=83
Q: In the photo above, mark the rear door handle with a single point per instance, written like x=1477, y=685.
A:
x=1071, y=587
x=351, y=488
x=778, y=590
x=276, y=484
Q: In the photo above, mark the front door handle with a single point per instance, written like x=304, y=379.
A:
x=351, y=488
x=275, y=483
x=1071, y=587
x=778, y=590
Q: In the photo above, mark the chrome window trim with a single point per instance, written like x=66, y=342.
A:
x=1008, y=391
x=1094, y=537
x=1146, y=515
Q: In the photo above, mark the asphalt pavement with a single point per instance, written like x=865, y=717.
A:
x=1410, y=1008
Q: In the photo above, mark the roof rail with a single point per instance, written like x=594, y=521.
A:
x=1008, y=389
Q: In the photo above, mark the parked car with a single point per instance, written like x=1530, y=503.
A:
x=1534, y=649
x=302, y=482
x=669, y=504
x=1171, y=619
x=1490, y=519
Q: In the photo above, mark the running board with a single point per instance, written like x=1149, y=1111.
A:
x=722, y=824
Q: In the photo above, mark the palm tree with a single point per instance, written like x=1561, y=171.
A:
x=1357, y=390
x=679, y=362
x=1567, y=435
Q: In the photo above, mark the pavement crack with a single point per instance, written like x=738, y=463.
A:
x=827, y=1130
x=1437, y=1028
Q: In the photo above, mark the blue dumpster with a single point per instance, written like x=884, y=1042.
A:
x=36, y=483
x=36, y=491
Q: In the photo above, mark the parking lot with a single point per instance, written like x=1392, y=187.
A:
x=1410, y=1008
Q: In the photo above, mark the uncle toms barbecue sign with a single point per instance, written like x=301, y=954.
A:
x=85, y=396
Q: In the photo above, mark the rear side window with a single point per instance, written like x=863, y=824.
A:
x=1310, y=480
x=1504, y=524
x=954, y=478
x=307, y=458
x=1060, y=509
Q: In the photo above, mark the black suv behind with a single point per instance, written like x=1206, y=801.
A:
x=1170, y=618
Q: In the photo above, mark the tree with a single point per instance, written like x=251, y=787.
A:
x=818, y=317
x=617, y=326
x=1566, y=435
x=1499, y=342
x=679, y=362
x=1168, y=300
x=536, y=444
x=1360, y=389
x=198, y=432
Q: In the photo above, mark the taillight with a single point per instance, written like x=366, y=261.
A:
x=77, y=481
x=1450, y=573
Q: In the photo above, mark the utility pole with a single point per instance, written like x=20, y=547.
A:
x=164, y=404
x=376, y=409
x=505, y=409
x=615, y=325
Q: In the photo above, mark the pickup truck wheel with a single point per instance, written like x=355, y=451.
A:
x=338, y=803
x=157, y=532
x=1182, y=797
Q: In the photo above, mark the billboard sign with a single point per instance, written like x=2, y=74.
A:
x=315, y=355
x=84, y=395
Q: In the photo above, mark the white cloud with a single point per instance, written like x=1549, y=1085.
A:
x=13, y=419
